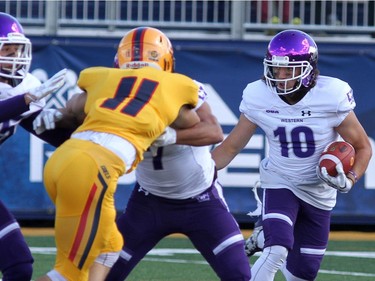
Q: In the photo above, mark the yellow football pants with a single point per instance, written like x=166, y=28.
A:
x=81, y=178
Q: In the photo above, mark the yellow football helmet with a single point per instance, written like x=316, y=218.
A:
x=145, y=46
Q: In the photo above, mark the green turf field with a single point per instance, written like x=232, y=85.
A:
x=176, y=259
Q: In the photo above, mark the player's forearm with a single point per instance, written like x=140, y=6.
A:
x=204, y=133
x=69, y=119
x=73, y=113
x=54, y=137
x=362, y=158
x=13, y=107
x=222, y=156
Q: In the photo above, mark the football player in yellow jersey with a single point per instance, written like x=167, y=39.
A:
x=121, y=112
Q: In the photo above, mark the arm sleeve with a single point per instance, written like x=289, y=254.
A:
x=54, y=137
x=12, y=107
x=202, y=95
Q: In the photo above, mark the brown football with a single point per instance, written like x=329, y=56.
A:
x=336, y=152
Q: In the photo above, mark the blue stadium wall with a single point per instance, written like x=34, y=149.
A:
x=226, y=67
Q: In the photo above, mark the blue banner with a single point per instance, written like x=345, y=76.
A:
x=226, y=67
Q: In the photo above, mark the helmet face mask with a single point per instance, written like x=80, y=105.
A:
x=290, y=62
x=295, y=73
x=15, y=49
x=145, y=46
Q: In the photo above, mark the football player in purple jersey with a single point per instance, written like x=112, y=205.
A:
x=21, y=99
x=300, y=112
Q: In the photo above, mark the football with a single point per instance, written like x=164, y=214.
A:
x=336, y=152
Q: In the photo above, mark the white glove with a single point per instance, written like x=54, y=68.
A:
x=49, y=86
x=340, y=182
x=169, y=136
x=46, y=120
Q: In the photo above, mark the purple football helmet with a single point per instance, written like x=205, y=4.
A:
x=17, y=63
x=291, y=49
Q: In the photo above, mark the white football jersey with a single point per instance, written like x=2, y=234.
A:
x=8, y=128
x=177, y=172
x=297, y=135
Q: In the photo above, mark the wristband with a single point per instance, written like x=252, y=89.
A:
x=354, y=174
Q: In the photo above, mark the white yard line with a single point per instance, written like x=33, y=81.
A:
x=169, y=252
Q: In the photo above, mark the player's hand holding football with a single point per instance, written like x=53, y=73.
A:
x=339, y=182
x=49, y=86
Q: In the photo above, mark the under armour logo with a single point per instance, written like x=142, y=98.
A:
x=308, y=113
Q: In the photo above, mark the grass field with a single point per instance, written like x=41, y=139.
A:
x=350, y=256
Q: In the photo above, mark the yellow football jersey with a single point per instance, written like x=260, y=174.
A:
x=136, y=104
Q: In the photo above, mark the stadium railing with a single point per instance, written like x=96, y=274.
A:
x=203, y=19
